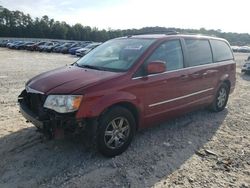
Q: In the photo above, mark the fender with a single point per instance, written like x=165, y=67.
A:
x=93, y=106
x=223, y=78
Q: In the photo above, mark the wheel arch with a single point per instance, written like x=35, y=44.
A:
x=129, y=106
x=224, y=79
x=228, y=83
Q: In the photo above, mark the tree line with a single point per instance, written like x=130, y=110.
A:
x=19, y=24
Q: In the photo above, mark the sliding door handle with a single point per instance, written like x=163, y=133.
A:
x=195, y=75
x=184, y=77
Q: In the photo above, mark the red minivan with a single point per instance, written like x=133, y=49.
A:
x=130, y=83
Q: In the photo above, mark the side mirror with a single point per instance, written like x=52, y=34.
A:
x=156, y=67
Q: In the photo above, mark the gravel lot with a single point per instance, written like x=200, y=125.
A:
x=200, y=149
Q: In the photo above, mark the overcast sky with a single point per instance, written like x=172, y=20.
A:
x=227, y=15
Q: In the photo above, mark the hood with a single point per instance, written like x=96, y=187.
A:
x=68, y=79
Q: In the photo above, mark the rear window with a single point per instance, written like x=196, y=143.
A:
x=199, y=52
x=221, y=50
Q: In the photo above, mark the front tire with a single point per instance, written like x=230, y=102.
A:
x=221, y=98
x=116, y=131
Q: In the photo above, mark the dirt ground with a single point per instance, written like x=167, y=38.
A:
x=200, y=149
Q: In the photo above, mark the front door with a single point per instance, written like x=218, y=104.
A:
x=165, y=93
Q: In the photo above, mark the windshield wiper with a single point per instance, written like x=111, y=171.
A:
x=100, y=68
x=90, y=67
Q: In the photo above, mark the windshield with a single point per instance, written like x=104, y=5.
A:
x=115, y=55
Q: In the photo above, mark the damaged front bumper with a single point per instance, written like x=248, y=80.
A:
x=31, y=117
x=47, y=121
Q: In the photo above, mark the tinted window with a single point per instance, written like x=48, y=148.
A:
x=199, y=52
x=171, y=53
x=221, y=50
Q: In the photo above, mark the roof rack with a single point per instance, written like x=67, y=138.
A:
x=200, y=34
x=171, y=32
x=187, y=33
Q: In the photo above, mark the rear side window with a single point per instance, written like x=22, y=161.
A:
x=199, y=52
x=221, y=50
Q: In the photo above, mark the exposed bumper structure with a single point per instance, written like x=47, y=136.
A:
x=31, y=117
x=47, y=121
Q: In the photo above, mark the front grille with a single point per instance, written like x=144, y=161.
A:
x=34, y=102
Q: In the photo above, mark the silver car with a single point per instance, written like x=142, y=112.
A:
x=83, y=51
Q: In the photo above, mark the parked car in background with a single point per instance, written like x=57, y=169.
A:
x=83, y=51
x=66, y=48
x=131, y=83
x=50, y=48
x=63, y=45
x=11, y=45
x=17, y=45
x=235, y=48
x=244, y=49
x=33, y=47
x=49, y=45
x=72, y=51
x=40, y=48
x=23, y=46
x=3, y=43
x=246, y=67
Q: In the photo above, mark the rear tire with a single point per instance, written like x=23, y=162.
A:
x=116, y=131
x=221, y=98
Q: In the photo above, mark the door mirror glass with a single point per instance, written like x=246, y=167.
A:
x=155, y=67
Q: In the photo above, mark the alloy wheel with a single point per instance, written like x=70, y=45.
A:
x=222, y=97
x=117, y=133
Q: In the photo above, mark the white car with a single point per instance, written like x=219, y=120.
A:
x=83, y=51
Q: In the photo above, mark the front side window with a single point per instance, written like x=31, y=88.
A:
x=115, y=55
x=171, y=53
x=199, y=52
x=221, y=50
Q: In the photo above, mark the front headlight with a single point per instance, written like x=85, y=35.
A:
x=63, y=103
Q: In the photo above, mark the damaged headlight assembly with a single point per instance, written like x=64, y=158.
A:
x=63, y=103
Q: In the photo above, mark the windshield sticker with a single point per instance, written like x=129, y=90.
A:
x=133, y=47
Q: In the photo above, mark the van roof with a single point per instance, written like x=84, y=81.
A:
x=164, y=36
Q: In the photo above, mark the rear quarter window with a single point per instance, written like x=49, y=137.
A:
x=221, y=50
x=199, y=52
